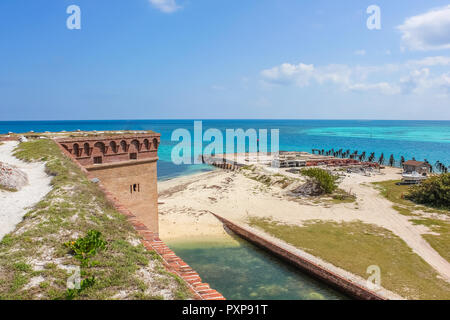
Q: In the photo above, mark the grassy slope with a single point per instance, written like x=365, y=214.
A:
x=35, y=250
x=394, y=193
x=355, y=246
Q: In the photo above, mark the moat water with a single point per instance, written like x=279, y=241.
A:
x=240, y=270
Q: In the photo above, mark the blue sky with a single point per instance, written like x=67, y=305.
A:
x=164, y=59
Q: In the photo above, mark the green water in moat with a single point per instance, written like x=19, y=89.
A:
x=240, y=270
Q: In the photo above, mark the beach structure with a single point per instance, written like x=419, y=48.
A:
x=415, y=171
x=126, y=165
x=420, y=167
x=284, y=159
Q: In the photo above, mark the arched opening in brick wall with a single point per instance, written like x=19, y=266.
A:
x=76, y=149
x=87, y=149
x=134, y=146
x=113, y=146
x=123, y=146
x=100, y=147
x=146, y=144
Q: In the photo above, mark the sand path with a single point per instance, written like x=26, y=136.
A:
x=186, y=202
x=378, y=210
x=14, y=205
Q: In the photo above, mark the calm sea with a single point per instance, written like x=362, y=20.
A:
x=420, y=139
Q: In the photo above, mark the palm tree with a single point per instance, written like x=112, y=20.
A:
x=402, y=161
x=362, y=157
x=381, y=159
x=439, y=166
x=372, y=157
x=391, y=160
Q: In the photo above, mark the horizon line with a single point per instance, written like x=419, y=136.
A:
x=225, y=119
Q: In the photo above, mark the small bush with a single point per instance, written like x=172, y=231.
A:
x=326, y=181
x=84, y=284
x=86, y=247
x=434, y=191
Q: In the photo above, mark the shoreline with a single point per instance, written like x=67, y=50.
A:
x=187, y=205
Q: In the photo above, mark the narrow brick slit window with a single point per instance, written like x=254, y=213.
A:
x=133, y=156
x=98, y=160
x=135, y=188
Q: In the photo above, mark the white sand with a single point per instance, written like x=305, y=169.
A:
x=14, y=205
x=185, y=204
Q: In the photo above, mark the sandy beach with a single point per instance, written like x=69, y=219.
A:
x=14, y=205
x=186, y=204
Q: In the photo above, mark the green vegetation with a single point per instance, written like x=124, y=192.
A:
x=402, y=271
x=441, y=241
x=397, y=194
x=8, y=189
x=325, y=180
x=123, y=268
x=84, y=248
x=341, y=196
x=434, y=191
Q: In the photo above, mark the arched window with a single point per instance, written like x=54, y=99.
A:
x=87, y=149
x=146, y=144
x=135, y=144
x=76, y=149
x=100, y=146
x=123, y=145
x=155, y=143
x=113, y=146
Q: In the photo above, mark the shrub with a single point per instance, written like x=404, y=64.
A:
x=84, y=248
x=325, y=180
x=434, y=191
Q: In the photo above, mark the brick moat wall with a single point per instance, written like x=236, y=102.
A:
x=346, y=286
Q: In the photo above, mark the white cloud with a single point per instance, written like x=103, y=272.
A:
x=360, y=52
x=430, y=61
x=416, y=81
x=166, y=6
x=428, y=31
x=412, y=77
x=288, y=73
x=382, y=87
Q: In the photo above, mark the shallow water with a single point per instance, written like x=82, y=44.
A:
x=240, y=270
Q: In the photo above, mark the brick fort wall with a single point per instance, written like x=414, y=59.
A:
x=126, y=165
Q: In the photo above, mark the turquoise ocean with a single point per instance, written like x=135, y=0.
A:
x=419, y=139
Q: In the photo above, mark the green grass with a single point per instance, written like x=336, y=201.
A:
x=395, y=193
x=354, y=246
x=73, y=207
x=341, y=196
x=8, y=189
x=441, y=242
